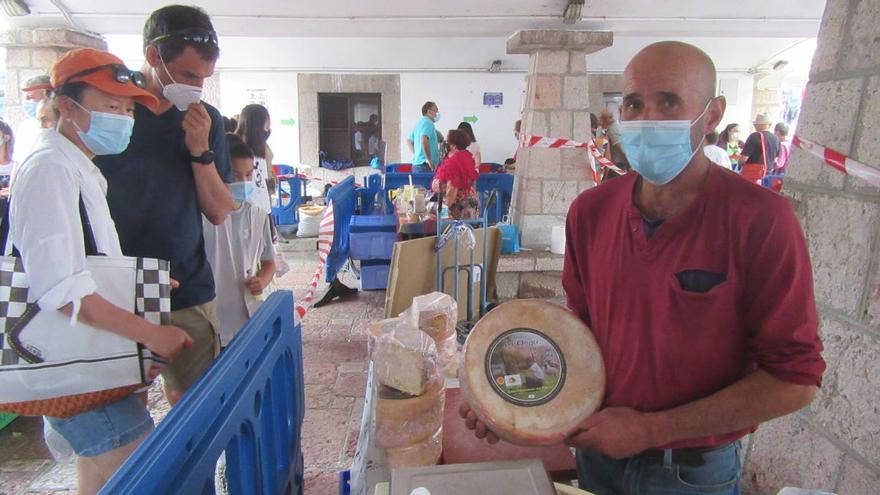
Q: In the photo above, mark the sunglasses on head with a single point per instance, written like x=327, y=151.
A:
x=199, y=36
x=121, y=74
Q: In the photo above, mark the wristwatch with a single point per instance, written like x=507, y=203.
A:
x=205, y=158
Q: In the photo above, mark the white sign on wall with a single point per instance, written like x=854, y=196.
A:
x=258, y=96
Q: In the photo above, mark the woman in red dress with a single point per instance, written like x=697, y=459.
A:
x=456, y=177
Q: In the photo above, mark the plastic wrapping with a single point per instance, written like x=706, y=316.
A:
x=309, y=221
x=404, y=358
x=424, y=453
x=403, y=420
x=436, y=314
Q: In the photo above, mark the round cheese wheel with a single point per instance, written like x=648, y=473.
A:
x=404, y=420
x=424, y=453
x=532, y=371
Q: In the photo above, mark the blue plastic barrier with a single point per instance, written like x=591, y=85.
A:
x=367, y=194
x=294, y=188
x=249, y=403
x=344, y=200
x=503, y=184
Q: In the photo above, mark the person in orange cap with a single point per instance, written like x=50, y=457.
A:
x=95, y=95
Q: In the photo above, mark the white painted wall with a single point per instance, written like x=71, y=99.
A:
x=282, y=102
x=460, y=95
x=739, y=113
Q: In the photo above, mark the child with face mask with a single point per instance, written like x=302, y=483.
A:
x=239, y=250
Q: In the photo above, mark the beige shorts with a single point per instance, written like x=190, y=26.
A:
x=201, y=323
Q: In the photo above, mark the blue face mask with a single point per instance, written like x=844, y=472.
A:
x=241, y=191
x=108, y=133
x=30, y=108
x=659, y=150
x=437, y=117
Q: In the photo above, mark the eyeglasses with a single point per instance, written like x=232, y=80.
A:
x=121, y=73
x=199, y=36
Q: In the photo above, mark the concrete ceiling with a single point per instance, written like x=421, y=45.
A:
x=365, y=35
x=472, y=18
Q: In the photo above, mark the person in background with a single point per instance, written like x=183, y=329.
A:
x=614, y=151
x=47, y=114
x=229, y=124
x=760, y=151
x=510, y=163
x=95, y=94
x=729, y=141
x=422, y=140
x=173, y=173
x=714, y=153
x=7, y=148
x=595, y=132
x=254, y=129
x=36, y=90
x=373, y=140
x=781, y=132
x=456, y=177
x=240, y=250
x=474, y=147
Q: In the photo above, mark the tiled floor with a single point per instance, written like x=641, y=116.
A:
x=335, y=354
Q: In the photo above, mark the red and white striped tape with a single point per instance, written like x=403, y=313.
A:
x=839, y=161
x=545, y=142
x=316, y=179
x=325, y=240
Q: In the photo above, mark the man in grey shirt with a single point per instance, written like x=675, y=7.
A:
x=612, y=131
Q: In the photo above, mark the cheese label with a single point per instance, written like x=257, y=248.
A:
x=525, y=367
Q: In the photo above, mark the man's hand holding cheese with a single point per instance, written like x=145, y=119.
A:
x=718, y=329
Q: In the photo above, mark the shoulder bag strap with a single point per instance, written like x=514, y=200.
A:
x=88, y=234
x=764, y=151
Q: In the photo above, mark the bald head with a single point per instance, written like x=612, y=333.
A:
x=678, y=60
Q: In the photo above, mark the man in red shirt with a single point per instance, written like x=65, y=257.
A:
x=702, y=305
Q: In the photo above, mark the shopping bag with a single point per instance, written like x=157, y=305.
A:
x=50, y=366
x=510, y=243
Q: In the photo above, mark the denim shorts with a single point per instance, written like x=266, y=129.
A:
x=106, y=428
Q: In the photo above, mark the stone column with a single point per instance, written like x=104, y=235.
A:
x=31, y=52
x=548, y=180
x=834, y=444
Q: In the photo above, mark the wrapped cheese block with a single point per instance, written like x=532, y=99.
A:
x=424, y=453
x=405, y=420
x=436, y=314
x=404, y=358
x=532, y=371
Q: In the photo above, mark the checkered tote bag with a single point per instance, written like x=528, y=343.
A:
x=50, y=366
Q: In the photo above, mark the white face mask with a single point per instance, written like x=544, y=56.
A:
x=181, y=95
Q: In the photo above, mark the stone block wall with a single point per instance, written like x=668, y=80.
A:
x=834, y=444
x=309, y=85
x=31, y=53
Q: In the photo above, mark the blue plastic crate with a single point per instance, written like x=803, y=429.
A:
x=374, y=274
x=372, y=237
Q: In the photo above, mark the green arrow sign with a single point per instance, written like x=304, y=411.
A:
x=471, y=119
x=288, y=121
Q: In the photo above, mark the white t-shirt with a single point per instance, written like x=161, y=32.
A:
x=717, y=156
x=474, y=148
x=234, y=250
x=260, y=197
x=25, y=136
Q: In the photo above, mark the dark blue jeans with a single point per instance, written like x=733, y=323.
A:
x=640, y=475
x=421, y=168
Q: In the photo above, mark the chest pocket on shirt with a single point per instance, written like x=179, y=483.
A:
x=700, y=281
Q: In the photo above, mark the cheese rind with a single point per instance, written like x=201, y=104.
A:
x=402, y=421
x=560, y=406
x=424, y=453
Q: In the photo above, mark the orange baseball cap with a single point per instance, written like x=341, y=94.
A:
x=103, y=71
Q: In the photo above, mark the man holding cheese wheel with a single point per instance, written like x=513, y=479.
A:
x=718, y=331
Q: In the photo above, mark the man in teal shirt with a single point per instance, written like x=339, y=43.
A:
x=423, y=140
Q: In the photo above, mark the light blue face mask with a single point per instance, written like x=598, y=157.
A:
x=30, y=108
x=437, y=117
x=659, y=150
x=108, y=133
x=241, y=191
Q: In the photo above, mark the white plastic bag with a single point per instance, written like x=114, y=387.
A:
x=309, y=221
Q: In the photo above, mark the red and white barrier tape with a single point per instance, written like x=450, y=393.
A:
x=545, y=142
x=316, y=179
x=325, y=240
x=839, y=161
